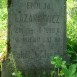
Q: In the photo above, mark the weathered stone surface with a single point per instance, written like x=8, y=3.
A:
x=36, y=32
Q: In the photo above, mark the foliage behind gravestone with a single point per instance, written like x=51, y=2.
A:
x=3, y=3
x=3, y=25
x=72, y=29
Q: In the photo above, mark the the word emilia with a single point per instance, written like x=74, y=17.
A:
x=38, y=5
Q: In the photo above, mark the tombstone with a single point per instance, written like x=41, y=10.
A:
x=36, y=33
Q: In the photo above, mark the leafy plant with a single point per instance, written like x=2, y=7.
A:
x=63, y=69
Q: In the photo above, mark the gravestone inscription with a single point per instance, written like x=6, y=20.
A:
x=36, y=32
